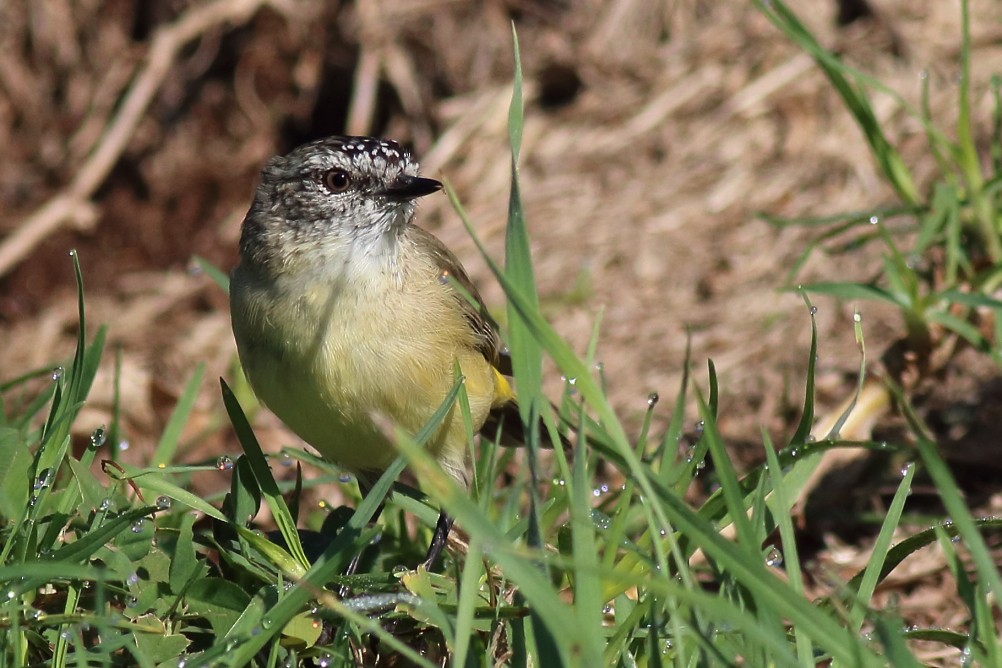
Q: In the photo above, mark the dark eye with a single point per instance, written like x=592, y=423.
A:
x=337, y=180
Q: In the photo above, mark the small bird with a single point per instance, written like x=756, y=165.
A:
x=343, y=310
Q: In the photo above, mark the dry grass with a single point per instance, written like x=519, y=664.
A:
x=655, y=132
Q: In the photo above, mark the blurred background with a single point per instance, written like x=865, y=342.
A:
x=656, y=131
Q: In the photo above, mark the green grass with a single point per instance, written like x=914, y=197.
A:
x=562, y=567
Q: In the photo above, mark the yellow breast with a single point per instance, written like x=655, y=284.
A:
x=326, y=358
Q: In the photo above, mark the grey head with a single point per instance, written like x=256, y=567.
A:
x=328, y=193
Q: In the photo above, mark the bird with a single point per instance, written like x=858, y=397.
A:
x=346, y=313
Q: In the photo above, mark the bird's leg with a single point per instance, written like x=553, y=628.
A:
x=438, y=539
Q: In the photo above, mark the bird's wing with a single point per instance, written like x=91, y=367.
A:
x=485, y=330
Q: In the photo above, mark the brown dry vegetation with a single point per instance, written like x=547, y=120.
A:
x=655, y=132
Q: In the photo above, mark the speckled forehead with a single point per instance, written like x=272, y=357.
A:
x=374, y=156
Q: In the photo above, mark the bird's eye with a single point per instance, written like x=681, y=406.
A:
x=337, y=180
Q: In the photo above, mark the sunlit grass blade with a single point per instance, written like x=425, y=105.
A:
x=167, y=445
x=871, y=575
x=269, y=488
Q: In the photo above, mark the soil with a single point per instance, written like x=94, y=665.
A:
x=657, y=134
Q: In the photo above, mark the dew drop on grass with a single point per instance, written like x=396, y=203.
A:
x=600, y=520
x=66, y=636
x=132, y=602
x=163, y=502
x=285, y=459
x=906, y=469
x=874, y=220
x=700, y=426
x=325, y=661
x=57, y=373
x=814, y=310
x=137, y=526
x=224, y=463
x=133, y=578
x=98, y=437
x=774, y=557
x=344, y=477
x=607, y=609
x=43, y=480
x=857, y=317
x=104, y=505
x=123, y=445
x=652, y=399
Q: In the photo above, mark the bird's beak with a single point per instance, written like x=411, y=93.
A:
x=406, y=187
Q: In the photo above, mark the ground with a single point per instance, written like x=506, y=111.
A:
x=656, y=135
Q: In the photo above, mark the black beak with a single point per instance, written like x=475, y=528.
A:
x=406, y=187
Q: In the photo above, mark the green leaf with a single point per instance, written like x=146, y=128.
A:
x=15, y=463
x=262, y=473
x=184, y=563
x=218, y=601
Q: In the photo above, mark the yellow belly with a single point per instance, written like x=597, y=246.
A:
x=325, y=363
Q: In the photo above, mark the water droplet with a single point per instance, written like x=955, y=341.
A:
x=874, y=220
x=123, y=445
x=600, y=490
x=285, y=459
x=57, y=373
x=267, y=622
x=66, y=636
x=907, y=468
x=43, y=480
x=137, y=526
x=224, y=463
x=163, y=502
x=322, y=505
x=699, y=427
x=601, y=521
x=857, y=317
x=774, y=557
x=325, y=661
x=98, y=437
x=652, y=399
x=104, y=505
x=599, y=366
x=607, y=609
x=73, y=252
x=344, y=477
x=132, y=602
x=923, y=75
x=811, y=438
x=399, y=570
x=133, y=578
